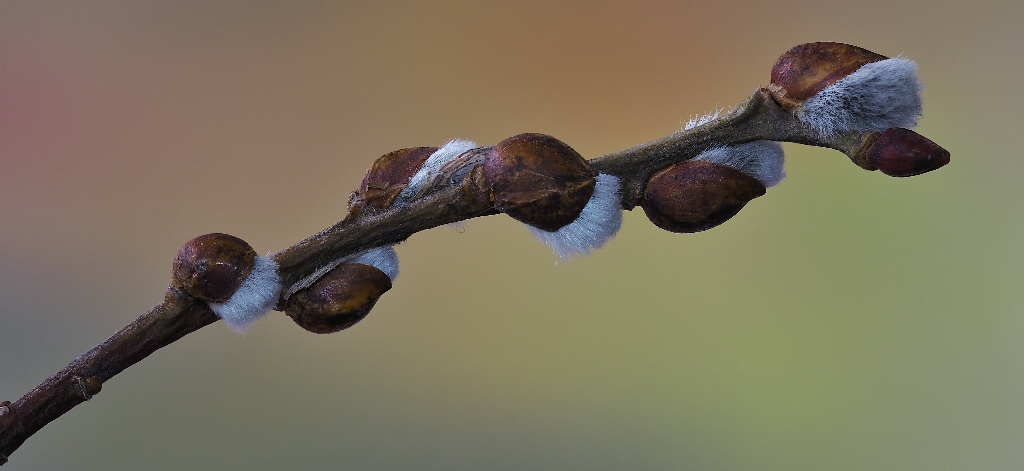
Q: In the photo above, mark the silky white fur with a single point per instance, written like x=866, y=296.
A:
x=600, y=220
x=878, y=96
x=254, y=299
x=763, y=160
x=384, y=259
x=432, y=167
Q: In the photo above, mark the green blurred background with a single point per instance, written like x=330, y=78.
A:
x=845, y=321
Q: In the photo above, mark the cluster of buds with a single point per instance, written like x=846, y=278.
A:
x=534, y=178
x=834, y=89
x=837, y=88
x=837, y=96
x=240, y=286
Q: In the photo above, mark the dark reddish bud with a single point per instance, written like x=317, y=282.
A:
x=695, y=196
x=211, y=267
x=899, y=152
x=388, y=176
x=339, y=299
x=539, y=180
x=805, y=70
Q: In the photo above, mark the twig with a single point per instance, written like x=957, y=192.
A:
x=757, y=118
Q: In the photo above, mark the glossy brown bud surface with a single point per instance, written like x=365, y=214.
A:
x=899, y=152
x=805, y=70
x=695, y=196
x=211, y=267
x=388, y=176
x=538, y=180
x=343, y=297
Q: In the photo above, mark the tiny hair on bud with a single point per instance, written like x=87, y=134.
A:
x=432, y=167
x=877, y=96
x=384, y=259
x=600, y=220
x=763, y=160
x=254, y=299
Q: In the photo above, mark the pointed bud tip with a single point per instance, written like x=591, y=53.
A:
x=900, y=152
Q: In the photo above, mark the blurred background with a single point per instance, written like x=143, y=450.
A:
x=845, y=321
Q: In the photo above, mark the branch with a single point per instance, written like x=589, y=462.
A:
x=444, y=201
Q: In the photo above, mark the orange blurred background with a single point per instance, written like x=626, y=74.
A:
x=845, y=321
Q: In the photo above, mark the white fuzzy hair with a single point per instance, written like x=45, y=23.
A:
x=763, y=160
x=384, y=259
x=432, y=168
x=701, y=120
x=878, y=96
x=600, y=220
x=255, y=298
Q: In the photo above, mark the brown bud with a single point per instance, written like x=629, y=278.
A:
x=93, y=385
x=339, y=299
x=695, y=196
x=899, y=152
x=805, y=70
x=539, y=180
x=211, y=267
x=388, y=176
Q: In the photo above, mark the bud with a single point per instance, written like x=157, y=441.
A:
x=538, y=180
x=836, y=88
x=695, y=196
x=805, y=70
x=338, y=300
x=448, y=165
x=212, y=267
x=899, y=152
x=388, y=176
x=223, y=270
x=93, y=385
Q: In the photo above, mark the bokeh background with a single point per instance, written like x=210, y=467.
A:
x=845, y=321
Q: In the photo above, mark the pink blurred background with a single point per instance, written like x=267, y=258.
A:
x=846, y=321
